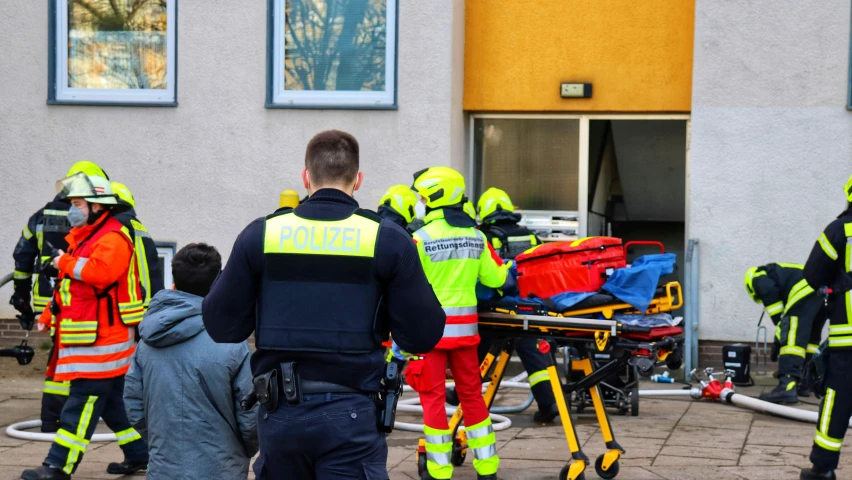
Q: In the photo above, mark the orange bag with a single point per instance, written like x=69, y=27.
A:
x=415, y=375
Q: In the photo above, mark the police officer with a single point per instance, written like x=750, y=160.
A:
x=798, y=316
x=398, y=205
x=829, y=265
x=321, y=285
x=147, y=265
x=509, y=239
x=455, y=255
x=48, y=226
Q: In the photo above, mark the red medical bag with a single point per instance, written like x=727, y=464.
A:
x=579, y=266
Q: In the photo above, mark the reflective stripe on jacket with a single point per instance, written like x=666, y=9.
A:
x=453, y=259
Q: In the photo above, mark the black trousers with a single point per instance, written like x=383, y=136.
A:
x=534, y=363
x=88, y=401
x=326, y=437
x=834, y=412
x=53, y=399
x=799, y=335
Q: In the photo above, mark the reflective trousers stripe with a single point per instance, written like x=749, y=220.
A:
x=827, y=407
x=839, y=341
x=791, y=334
x=538, y=377
x=126, y=436
x=461, y=330
x=829, y=443
x=439, y=447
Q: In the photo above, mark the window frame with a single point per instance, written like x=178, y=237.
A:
x=60, y=94
x=278, y=97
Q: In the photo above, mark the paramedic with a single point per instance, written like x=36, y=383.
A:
x=454, y=255
x=829, y=265
x=98, y=302
x=310, y=282
x=147, y=264
x=500, y=226
x=48, y=226
x=798, y=317
x=398, y=205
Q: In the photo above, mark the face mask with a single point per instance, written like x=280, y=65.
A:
x=419, y=210
x=76, y=217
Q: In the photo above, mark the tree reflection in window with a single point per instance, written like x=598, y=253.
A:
x=335, y=45
x=117, y=44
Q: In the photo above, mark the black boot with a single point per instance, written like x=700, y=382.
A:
x=817, y=474
x=45, y=472
x=785, y=392
x=804, y=390
x=126, y=468
x=546, y=414
x=486, y=477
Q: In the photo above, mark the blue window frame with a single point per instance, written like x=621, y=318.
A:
x=350, y=65
x=113, y=52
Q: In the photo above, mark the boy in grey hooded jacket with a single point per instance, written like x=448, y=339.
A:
x=183, y=390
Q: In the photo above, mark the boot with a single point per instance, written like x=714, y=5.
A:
x=45, y=472
x=546, y=414
x=804, y=390
x=126, y=468
x=785, y=392
x=817, y=474
x=493, y=476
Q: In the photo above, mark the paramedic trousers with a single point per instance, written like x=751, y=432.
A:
x=325, y=437
x=835, y=410
x=534, y=363
x=799, y=334
x=464, y=366
x=52, y=399
x=88, y=401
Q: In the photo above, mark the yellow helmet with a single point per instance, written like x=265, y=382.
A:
x=440, y=186
x=402, y=200
x=91, y=188
x=848, y=190
x=288, y=198
x=494, y=200
x=123, y=194
x=750, y=275
x=89, y=168
x=470, y=209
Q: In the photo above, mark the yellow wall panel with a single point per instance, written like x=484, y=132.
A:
x=636, y=53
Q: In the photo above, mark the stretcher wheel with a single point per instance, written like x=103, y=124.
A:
x=422, y=472
x=634, y=400
x=458, y=455
x=609, y=474
x=563, y=474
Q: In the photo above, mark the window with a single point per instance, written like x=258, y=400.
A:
x=332, y=54
x=113, y=52
x=536, y=161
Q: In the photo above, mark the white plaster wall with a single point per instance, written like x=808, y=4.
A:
x=204, y=170
x=770, y=143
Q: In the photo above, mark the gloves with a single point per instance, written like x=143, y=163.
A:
x=399, y=353
x=510, y=287
x=53, y=252
x=21, y=301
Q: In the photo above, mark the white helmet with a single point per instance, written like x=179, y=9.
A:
x=90, y=188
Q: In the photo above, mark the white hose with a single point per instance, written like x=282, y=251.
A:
x=692, y=392
x=16, y=430
x=771, y=408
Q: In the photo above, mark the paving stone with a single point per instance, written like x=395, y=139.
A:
x=755, y=455
x=708, y=453
x=791, y=436
x=707, y=437
x=765, y=473
x=695, y=473
x=666, y=461
x=644, y=429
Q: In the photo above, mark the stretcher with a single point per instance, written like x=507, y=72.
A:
x=589, y=329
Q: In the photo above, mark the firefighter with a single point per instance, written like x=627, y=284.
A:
x=454, y=255
x=310, y=281
x=500, y=226
x=48, y=226
x=147, y=265
x=829, y=265
x=397, y=205
x=798, y=317
x=97, y=304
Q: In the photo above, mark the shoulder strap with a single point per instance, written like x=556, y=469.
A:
x=370, y=215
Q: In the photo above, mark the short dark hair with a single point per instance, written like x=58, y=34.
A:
x=195, y=267
x=332, y=158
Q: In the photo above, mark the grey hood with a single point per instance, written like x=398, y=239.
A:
x=173, y=317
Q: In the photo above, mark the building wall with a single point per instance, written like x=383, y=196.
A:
x=771, y=143
x=204, y=170
x=637, y=55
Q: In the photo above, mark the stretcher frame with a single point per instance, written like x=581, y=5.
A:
x=606, y=335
